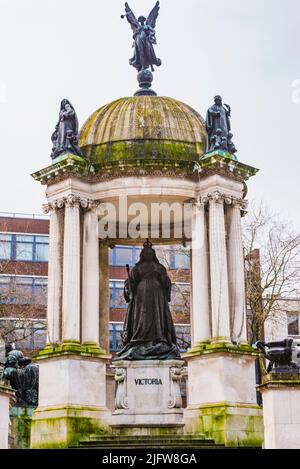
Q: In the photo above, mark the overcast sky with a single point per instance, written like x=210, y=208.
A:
x=245, y=50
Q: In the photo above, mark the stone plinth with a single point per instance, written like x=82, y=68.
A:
x=281, y=410
x=221, y=395
x=148, y=399
x=6, y=396
x=72, y=398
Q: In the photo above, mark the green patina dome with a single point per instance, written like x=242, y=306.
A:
x=144, y=127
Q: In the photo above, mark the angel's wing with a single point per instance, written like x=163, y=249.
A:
x=131, y=18
x=151, y=20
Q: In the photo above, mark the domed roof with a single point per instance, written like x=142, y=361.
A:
x=144, y=127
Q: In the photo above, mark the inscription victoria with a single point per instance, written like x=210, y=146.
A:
x=142, y=381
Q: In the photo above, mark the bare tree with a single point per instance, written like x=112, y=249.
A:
x=272, y=262
x=22, y=311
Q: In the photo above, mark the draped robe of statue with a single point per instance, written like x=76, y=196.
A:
x=65, y=136
x=144, y=54
x=149, y=331
x=217, y=118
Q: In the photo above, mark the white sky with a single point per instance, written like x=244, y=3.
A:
x=245, y=50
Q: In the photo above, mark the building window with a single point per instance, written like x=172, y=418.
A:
x=24, y=247
x=116, y=294
x=180, y=297
x=5, y=246
x=41, y=248
x=293, y=324
x=23, y=290
x=183, y=336
x=115, y=338
x=179, y=259
x=122, y=255
x=27, y=334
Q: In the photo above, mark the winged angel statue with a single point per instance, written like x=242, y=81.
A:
x=144, y=38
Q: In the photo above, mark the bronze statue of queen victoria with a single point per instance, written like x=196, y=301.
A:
x=149, y=332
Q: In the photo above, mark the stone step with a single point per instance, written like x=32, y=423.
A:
x=149, y=445
x=144, y=441
x=146, y=437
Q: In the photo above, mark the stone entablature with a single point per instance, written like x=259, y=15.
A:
x=217, y=162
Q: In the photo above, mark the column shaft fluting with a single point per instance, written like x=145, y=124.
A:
x=90, y=279
x=236, y=275
x=218, y=271
x=200, y=320
x=54, y=278
x=71, y=273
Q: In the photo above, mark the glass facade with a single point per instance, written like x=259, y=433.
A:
x=25, y=333
x=116, y=288
x=23, y=247
x=23, y=290
x=122, y=255
x=293, y=324
x=180, y=297
x=183, y=334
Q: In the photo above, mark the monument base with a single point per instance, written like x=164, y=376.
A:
x=6, y=399
x=222, y=395
x=281, y=394
x=72, y=399
x=148, y=398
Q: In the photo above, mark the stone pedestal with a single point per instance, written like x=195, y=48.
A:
x=72, y=398
x=281, y=410
x=6, y=397
x=148, y=398
x=222, y=397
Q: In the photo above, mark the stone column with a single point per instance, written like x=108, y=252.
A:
x=201, y=331
x=54, y=273
x=104, y=296
x=6, y=397
x=71, y=271
x=90, y=277
x=236, y=273
x=218, y=269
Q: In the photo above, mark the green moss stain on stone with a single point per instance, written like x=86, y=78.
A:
x=236, y=429
x=71, y=348
x=209, y=348
x=109, y=132
x=66, y=431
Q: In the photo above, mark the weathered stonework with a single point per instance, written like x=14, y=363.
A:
x=148, y=396
x=281, y=410
x=221, y=395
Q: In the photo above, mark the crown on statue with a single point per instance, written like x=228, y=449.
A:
x=147, y=244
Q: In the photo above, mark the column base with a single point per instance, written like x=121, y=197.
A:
x=222, y=395
x=72, y=347
x=72, y=396
x=62, y=427
x=7, y=397
x=208, y=347
x=231, y=424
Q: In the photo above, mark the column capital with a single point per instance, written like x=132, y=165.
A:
x=222, y=197
x=50, y=207
x=239, y=203
x=71, y=200
x=197, y=201
x=217, y=196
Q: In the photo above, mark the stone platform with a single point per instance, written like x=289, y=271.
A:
x=148, y=398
